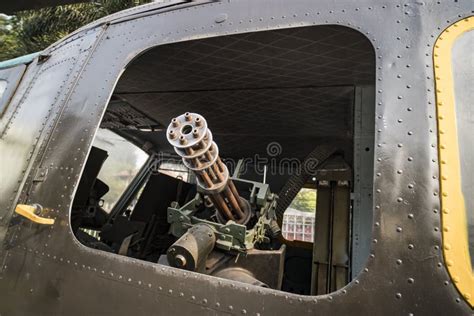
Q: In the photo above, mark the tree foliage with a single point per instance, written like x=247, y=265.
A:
x=305, y=200
x=32, y=31
x=9, y=47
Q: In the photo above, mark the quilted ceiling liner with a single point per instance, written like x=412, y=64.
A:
x=292, y=86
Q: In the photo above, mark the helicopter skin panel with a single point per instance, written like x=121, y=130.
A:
x=49, y=126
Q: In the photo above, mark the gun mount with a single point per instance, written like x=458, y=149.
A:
x=228, y=216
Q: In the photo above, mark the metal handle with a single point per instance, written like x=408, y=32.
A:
x=32, y=212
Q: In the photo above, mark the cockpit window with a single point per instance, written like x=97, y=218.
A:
x=463, y=75
x=454, y=74
x=121, y=166
x=9, y=80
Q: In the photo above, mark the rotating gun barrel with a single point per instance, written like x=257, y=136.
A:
x=193, y=142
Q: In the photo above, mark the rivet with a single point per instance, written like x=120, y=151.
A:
x=411, y=280
x=398, y=295
x=411, y=246
x=221, y=18
x=399, y=229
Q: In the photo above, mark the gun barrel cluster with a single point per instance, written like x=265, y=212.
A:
x=192, y=141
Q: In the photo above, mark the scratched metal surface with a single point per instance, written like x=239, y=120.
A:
x=46, y=271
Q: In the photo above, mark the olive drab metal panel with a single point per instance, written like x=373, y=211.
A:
x=53, y=273
x=27, y=123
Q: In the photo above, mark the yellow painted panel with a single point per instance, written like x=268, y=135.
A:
x=453, y=215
